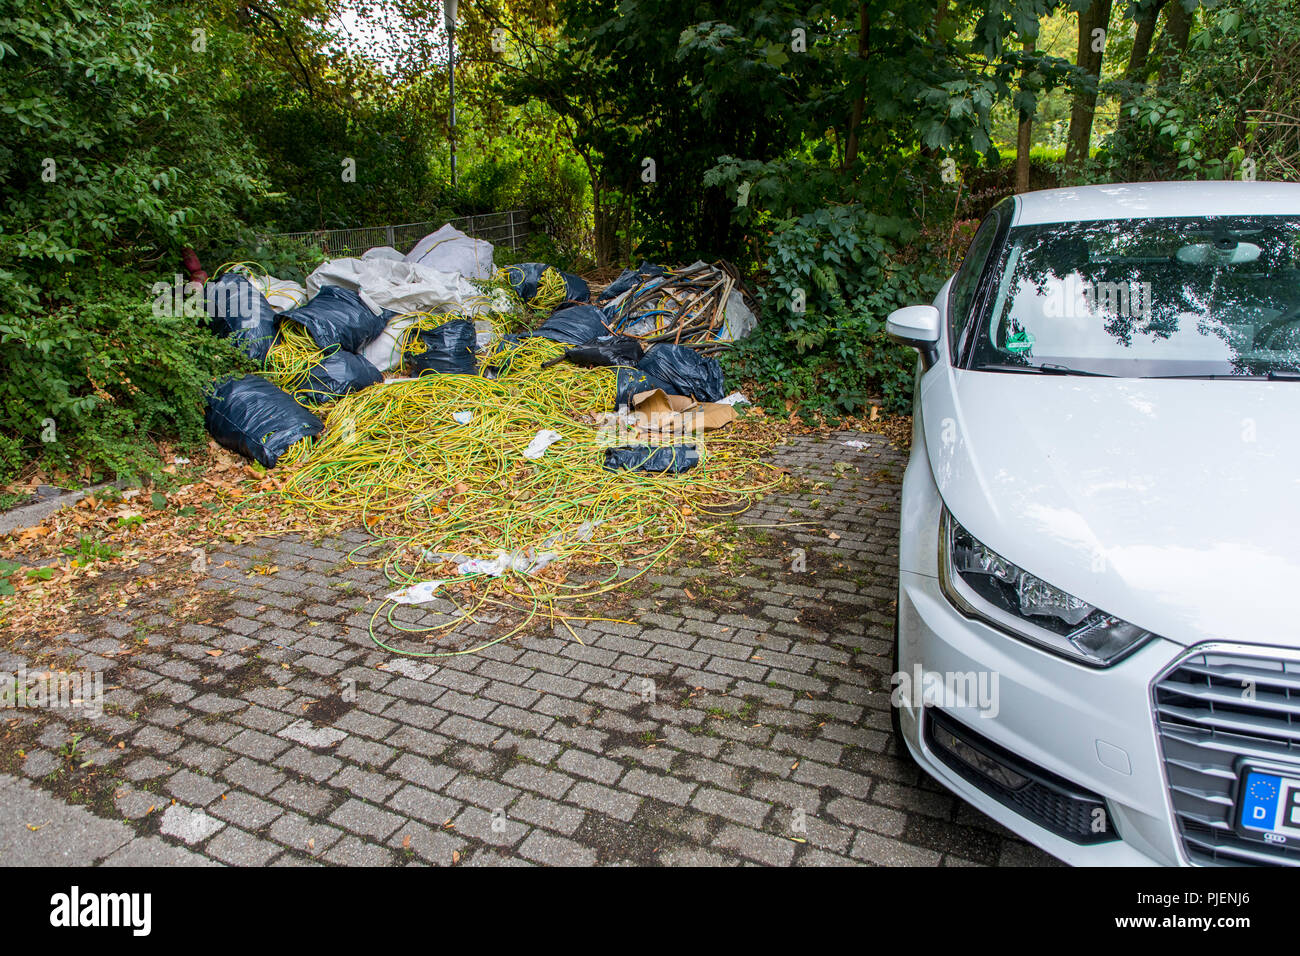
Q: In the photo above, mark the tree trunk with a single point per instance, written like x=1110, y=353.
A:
x=1024, y=140
x=604, y=227
x=1178, y=30
x=1084, y=102
x=859, y=105
x=1135, y=74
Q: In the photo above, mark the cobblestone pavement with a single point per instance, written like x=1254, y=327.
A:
x=743, y=717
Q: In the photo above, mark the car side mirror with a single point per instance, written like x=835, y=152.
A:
x=917, y=326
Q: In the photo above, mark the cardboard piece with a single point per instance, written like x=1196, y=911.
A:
x=657, y=411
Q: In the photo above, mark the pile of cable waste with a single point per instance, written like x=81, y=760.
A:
x=490, y=499
x=510, y=476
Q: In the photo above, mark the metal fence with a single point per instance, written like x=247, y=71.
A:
x=508, y=228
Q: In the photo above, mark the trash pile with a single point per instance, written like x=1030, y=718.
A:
x=703, y=307
x=505, y=471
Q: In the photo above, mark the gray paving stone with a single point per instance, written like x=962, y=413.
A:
x=365, y=820
x=761, y=847
x=237, y=848
x=353, y=852
x=38, y=829
x=556, y=851
x=245, y=810
x=299, y=833
x=767, y=741
x=151, y=851
x=188, y=824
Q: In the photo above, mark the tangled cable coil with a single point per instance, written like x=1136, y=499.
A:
x=435, y=468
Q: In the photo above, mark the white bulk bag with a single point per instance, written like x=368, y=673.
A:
x=451, y=250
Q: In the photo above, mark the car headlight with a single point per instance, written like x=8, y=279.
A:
x=982, y=584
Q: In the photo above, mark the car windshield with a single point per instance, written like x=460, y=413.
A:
x=1204, y=296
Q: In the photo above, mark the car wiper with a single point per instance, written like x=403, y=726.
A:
x=1053, y=369
x=1045, y=369
x=1281, y=375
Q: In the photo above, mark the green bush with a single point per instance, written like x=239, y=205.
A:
x=833, y=276
x=109, y=146
x=550, y=185
x=85, y=388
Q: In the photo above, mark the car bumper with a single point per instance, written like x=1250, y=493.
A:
x=1093, y=728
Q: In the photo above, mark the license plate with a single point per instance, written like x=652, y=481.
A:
x=1269, y=806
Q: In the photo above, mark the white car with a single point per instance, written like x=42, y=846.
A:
x=1098, y=631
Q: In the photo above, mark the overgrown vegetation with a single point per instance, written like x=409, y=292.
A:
x=838, y=151
x=85, y=386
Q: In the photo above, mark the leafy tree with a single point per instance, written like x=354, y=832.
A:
x=108, y=145
x=1216, y=90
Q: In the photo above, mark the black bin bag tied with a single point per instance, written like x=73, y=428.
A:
x=574, y=324
x=337, y=375
x=606, y=351
x=628, y=279
x=526, y=276
x=237, y=310
x=253, y=418
x=686, y=371
x=339, y=317
x=447, y=349
x=633, y=381
x=671, y=459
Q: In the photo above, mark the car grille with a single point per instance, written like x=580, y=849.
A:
x=1208, y=729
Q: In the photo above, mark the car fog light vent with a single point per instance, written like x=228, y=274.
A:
x=979, y=761
x=1037, y=794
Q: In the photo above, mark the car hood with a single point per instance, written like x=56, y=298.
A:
x=1172, y=504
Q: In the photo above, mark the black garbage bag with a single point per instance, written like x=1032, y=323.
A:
x=336, y=316
x=606, y=350
x=237, y=310
x=448, y=349
x=629, y=278
x=336, y=375
x=671, y=458
x=686, y=370
x=631, y=381
x=525, y=276
x=254, y=418
x=574, y=324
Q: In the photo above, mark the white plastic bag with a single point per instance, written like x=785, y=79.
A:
x=383, y=252
x=450, y=250
x=397, y=286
